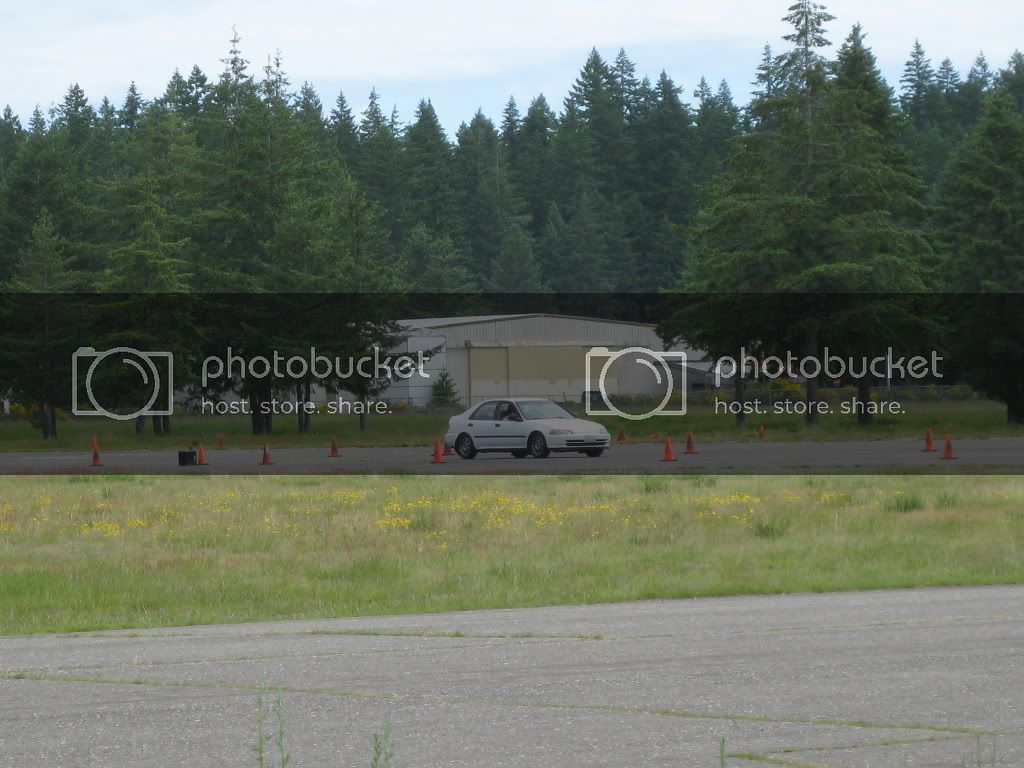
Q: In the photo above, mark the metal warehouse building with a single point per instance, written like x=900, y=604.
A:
x=540, y=355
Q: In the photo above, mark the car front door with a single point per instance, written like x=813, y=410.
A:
x=511, y=426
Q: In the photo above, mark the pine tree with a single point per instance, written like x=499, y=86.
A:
x=75, y=117
x=149, y=263
x=768, y=85
x=515, y=270
x=919, y=86
x=38, y=329
x=428, y=173
x=488, y=204
x=1011, y=79
x=128, y=115
x=434, y=265
x=44, y=266
x=787, y=219
x=857, y=74
x=511, y=121
x=531, y=166
x=346, y=133
x=802, y=66
x=43, y=175
x=979, y=214
x=595, y=123
x=625, y=86
x=378, y=169
x=972, y=94
x=663, y=147
x=10, y=137
x=716, y=124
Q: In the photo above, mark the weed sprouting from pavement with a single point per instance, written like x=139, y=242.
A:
x=269, y=746
x=382, y=751
x=275, y=740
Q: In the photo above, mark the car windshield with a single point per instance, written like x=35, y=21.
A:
x=542, y=409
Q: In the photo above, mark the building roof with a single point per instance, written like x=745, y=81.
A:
x=445, y=322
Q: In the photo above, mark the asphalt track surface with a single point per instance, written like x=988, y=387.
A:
x=902, y=678
x=990, y=455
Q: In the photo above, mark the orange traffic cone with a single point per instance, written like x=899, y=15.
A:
x=438, y=454
x=689, y=443
x=948, y=453
x=760, y=432
x=96, y=453
x=201, y=457
x=669, y=455
x=220, y=442
x=95, y=443
x=622, y=439
x=334, y=449
x=929, y=441
x=266, y=460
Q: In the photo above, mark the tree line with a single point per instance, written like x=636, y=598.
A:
x=828, y=182
x=245, y=182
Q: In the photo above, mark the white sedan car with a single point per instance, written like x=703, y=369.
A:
x=523, y=426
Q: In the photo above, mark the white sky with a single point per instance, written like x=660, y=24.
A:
x=460, y=53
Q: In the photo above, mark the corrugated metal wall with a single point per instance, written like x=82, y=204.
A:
x=520, y=356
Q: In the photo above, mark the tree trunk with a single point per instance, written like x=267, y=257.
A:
x=362, y=415
x=255, y=414
x=1015, y=402
x=740, y=387
x=44, y=422
x=261, y=422
x=165, y=425
x=811, y=418
x=158, y=426
x=51, y=419
x=864, y=416
x=140, y=426
x=303, y=394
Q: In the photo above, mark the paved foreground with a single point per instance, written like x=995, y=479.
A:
x=977, y=455
x=904, y=678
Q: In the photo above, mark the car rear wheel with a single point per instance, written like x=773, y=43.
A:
x=594, y=452
x=537, y=446
x=464, y=446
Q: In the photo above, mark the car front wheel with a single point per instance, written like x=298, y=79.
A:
x=464, y=446
x=538, y=446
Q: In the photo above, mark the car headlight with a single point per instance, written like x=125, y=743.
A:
x=560, y=432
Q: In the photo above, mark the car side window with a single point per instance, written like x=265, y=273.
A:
x=507, y=411
x=485, y=412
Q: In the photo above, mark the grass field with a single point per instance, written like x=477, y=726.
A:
x=973, y=418
x=92, y=553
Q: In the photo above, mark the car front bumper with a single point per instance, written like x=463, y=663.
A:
x=577, y=442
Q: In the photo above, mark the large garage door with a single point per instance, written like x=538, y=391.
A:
x=555, y=372
x=488, y=371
